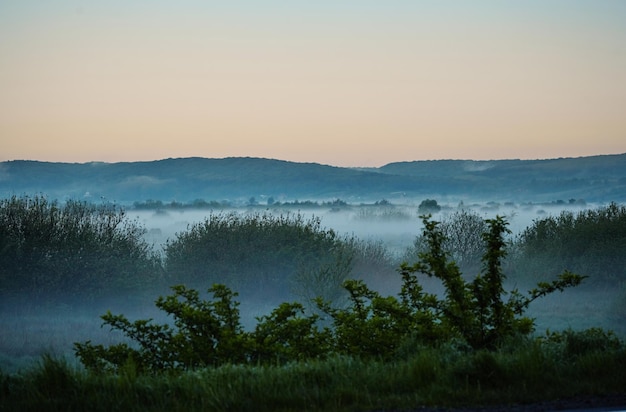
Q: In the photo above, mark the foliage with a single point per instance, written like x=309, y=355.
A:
x=257, y=253
x=591, y=242
x=462, y=231
x=325, y=280
x=206, y=333
x=428, y=206
x=287, y=335
x=442, y=377
x=473, y=311
x=209, y=333
x=71, y=252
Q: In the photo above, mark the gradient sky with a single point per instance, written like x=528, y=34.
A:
x=346, y=83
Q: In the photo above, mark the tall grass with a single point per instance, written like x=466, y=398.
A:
x=526, y=371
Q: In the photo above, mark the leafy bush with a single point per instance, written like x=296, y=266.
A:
x=462, y=231
x=260, y=254
x=590, y=242
x=209, y=333
x=575, y=344
x=205, y=333
x=472, y=311
x=71, y=252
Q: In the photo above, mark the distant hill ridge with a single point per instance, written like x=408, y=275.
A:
x=594, y=178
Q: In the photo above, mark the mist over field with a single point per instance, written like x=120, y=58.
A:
x=396, y=225
x=29, y=331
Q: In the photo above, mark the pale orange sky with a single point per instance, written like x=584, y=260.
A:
x=352, y=83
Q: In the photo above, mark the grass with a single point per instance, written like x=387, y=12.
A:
x=448, y=376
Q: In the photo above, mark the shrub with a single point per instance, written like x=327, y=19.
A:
x=462, y=231
x=472, y=311
x=71, y=252
x=590, y=242
x=259, y=254
x=205, y=333
x=208, y=333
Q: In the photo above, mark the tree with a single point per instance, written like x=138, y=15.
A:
x=428, y=206
x=473, y=311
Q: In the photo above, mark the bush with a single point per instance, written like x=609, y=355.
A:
x=76, y=252
x=462, y=231
x=259, y=254
x=472, y=311
x=209, y=333
x=590, y=242
x=205, y=333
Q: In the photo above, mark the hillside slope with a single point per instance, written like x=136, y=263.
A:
x=597, y=178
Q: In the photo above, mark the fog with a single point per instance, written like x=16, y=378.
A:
x=396, y=225
x=27, y=332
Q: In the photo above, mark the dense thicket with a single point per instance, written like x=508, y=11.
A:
x=76, y=252
x=71, y=253
x=462, y=240
x=268, y=256
x=591, y=242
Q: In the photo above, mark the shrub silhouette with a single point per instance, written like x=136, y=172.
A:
x=268, y=256
x=71, y=253
x=590, y=241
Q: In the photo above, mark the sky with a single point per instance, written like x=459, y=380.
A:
x=344, y=83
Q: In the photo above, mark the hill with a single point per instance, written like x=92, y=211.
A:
x=595, y=178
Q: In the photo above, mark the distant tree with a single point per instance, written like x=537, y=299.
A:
x=336, y=203
x=428, y=206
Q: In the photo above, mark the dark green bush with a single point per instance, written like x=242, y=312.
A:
x=259, y=254
x=206, y=333
x=287, y=335
x=473, y=311
x=75, y=252
x=590, y=242
x=574, y=344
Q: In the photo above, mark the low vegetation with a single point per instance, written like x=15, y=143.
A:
x=75, y=253
x=591, y=241
x=358, y=350
x=449, y=375
x=209, y=333
x=258, y=253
